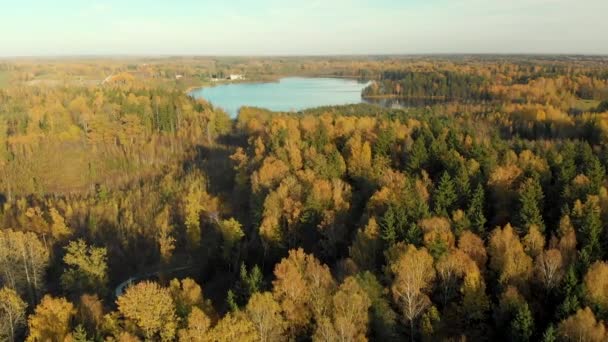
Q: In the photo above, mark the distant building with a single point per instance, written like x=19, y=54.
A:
x=234, y=77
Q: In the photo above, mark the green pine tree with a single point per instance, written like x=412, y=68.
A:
x=590, y=231
x=389, y=227
x=522, y=326
x=445, y=196
x=530, y=204
x=550, y=334
x=80, y=335
x=475, y=211
x=418, y=156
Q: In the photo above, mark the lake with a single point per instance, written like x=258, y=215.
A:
x=288, y=94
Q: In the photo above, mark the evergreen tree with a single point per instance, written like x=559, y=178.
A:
x=569, y=291
x=80, y=335
x=249, y=282
x=231, y=301
x=522, y=326
x=530, y=205
x=463, y=185
x=475, y=211
x=596, y=173
x=590, y=232
x=389, y=227
x=445, y=196
x=550, y=334
x=418, y=156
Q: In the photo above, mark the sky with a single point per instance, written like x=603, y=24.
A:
x=301, y=27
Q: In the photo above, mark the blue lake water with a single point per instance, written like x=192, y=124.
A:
x=289, y=94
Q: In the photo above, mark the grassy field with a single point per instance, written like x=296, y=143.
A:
x=4, y=78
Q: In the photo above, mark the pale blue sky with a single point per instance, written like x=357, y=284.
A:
x=292, y=27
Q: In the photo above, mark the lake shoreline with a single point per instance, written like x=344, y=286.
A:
x=291, y=93
x=273, y=79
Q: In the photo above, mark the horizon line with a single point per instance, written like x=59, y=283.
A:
x=194, y=55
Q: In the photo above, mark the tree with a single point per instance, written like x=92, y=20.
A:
x=549, y=268
x=348, y=318
x=414, y=273
x=198, y=324
x=86, y=268
x=473, y=246
x=389, y=227
x=303, y=287
x=232, y=233
x=12, y=314
x=596, y=284
x=590, y=231
x=233, y=327
x=150, y=308
x=507, y=257
x=418, y=156
x=193, y=209
x=265, y=314
x=531, y=197
x=51, y=320
x=80, y=334
x=90, y=312
x=384, y=320
x=23, y=260
x=187, y=295
x=475, y=212
x=522, y=326
x=534, y=241
x=359, y=159
x=166, y=241
x=445, y=196
x=582, y=326
x=366, y=246
x=438, y=237
x=249, y=282
x=550, y=334
x=59, y=229
x=450, y=269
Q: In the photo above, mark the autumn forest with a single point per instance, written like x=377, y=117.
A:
x=477, y=210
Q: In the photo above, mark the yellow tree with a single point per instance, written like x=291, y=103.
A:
x=233, y=327
x=187, y=295
x=196, y=330
x=596, y=284
x=359, y=159
x=59, y=229
x=86, y=267
x=232, y=233
x=23, y=259
x=150, y=308
x=12, y=313
x=51, y=320
x=348, y=318
x=582, y=326
x=413, y=275
x=473, y=246
x=166, y=241
x=508, y=258
x=193, y=208
x=303, y=287
x=366, y=246
x=265, y=314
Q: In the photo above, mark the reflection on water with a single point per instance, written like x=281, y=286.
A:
x=398, y=103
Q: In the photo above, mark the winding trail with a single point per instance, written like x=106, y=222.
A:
x=122, y=286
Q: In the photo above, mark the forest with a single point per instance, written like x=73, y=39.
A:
x=130, y=211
